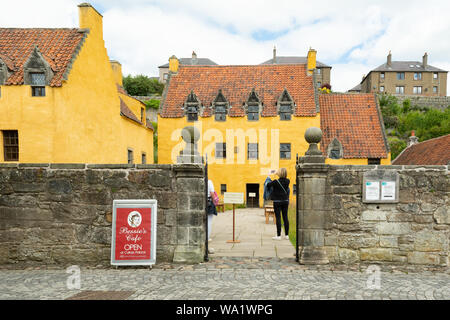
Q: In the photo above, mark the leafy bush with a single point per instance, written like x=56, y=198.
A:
x=154, y=104
x=399, y=121
x=141, y=85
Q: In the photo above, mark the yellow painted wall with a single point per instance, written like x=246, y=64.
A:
x=236, y=171
x=79, y=122
x=232, y=171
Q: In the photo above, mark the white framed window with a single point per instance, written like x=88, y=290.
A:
x=382, y=75
x=435, y=89
x=400, y=89
x=435, y=75
x=417, y=75
x=417, y=90
x=400, y=76
x=381, y=88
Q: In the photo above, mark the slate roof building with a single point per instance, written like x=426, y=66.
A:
x=430, y=152
x=252, y=119
x=406, y=78
x=193, y=61
x=322, y=72
x=61, y=99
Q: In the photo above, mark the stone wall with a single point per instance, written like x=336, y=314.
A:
x=441, y=103
x=61, y=213
x=415, y=231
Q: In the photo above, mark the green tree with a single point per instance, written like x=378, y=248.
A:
x=399, y=121
x=141, y=85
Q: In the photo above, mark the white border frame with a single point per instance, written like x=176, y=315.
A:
x=153, y=204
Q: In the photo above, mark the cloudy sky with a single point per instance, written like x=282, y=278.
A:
x=352, y=36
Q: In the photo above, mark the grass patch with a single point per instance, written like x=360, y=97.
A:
x=292, y=216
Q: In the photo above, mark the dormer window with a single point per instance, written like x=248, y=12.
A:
x=285, y=106
x=37, y=73
x=335, y=150
x=253, y=106
x=220, y=107
x=192, y=107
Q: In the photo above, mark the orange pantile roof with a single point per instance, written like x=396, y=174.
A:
x=58, y=47
x=236, y=83
x=127, y=113
x=430, y=152
x=355, y=120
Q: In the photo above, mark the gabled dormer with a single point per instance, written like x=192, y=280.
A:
x=37, y=73
x=220, y=107
x=253, y=106
x=285, y=106
x=192, y=107
x=335, y=150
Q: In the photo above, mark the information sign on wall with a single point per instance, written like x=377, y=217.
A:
x=380, y=186
x=134, y=232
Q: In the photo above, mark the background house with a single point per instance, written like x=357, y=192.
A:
x=406, y=78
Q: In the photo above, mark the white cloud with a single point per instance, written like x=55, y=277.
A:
x=353, y=36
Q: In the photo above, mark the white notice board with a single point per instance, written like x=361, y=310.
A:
x=233, y=198
x=372, y=190
x=388, y=190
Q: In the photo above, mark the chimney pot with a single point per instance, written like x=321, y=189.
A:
x=274, y=54
x=425, y=60
x=413, y=139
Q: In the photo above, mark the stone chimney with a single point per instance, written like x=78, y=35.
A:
x=413, y=139
x=425, y=60
x=389, y=59
x=194, y=58
x=311, y=61
x=117, y=72
x=174, y=63
x=91, y=19
x=274, y=54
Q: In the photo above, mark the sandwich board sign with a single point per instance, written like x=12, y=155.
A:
x=134, y=232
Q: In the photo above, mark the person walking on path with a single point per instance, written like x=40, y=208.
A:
x=280, y=198
x=212, y=211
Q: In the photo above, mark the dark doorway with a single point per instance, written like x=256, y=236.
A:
x=252, y=195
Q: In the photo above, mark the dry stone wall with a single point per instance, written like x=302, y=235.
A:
x=61, y=213
x=415, y=231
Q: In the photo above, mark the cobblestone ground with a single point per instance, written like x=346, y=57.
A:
x=228, y=279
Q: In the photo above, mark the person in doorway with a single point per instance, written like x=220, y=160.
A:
x=280, y=198
x=212, y=211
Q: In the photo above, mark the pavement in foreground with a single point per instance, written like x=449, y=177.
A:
x=225, y=278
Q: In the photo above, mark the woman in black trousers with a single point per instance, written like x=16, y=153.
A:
x=280, y=198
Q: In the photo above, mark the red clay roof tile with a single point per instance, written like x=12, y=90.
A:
x=58, y=47
x=430, y=152
x=354, y=120
x=236, y=83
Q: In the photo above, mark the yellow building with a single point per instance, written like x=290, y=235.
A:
x=252, y=120
x=62, y=101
